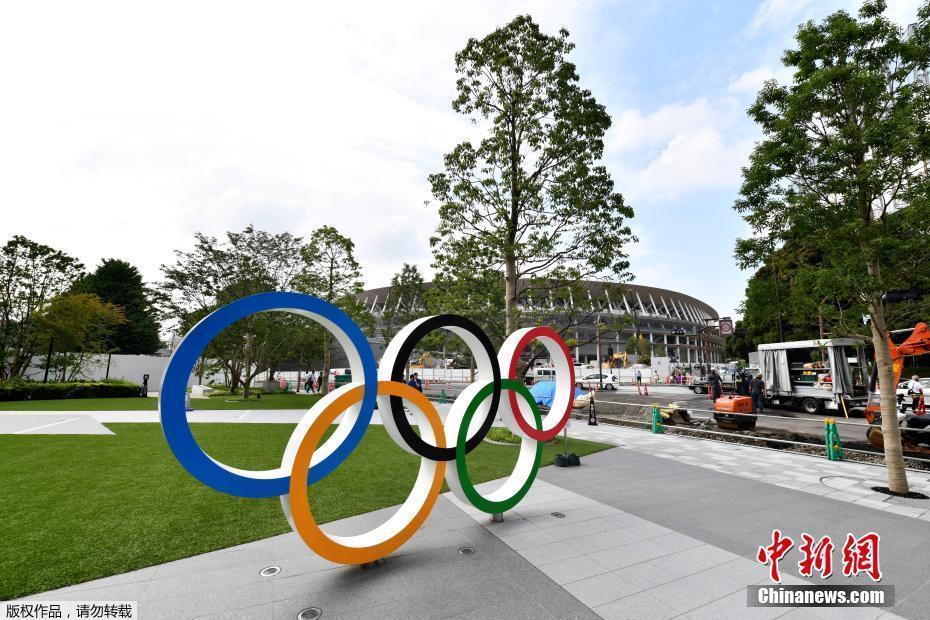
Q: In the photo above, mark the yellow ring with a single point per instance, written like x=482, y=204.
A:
x=304, y=523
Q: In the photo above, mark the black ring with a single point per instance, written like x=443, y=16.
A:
x=413, y=440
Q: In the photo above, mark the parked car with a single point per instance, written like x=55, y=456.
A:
x=904, y=399
x=610, y=381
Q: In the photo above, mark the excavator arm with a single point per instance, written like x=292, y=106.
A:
x=917, y=343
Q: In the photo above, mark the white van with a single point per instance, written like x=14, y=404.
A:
x=535, y=375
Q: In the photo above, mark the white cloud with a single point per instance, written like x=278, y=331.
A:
x=634, y=130
x=694, y=160
x=749, y=82
x=775, y=14
x=678, y=148
x=128, y=127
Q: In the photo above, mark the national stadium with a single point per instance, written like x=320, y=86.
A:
x=684, y=325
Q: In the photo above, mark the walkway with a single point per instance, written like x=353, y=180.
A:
x=642, y=536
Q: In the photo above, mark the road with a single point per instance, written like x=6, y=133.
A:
x=786, y=420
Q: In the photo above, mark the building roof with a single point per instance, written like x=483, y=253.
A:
x=644, y=301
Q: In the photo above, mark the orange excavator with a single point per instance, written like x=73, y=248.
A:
x=903, y=343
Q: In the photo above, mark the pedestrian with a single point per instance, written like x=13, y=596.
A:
x=655, y=377
x=714, y=385
x=415, y=382
x=639, y=377
x=308, y=384
x=757, y=392
x=916, y=391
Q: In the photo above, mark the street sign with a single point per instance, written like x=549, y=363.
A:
x=725, y=326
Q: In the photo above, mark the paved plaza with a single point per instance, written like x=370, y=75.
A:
x=659, y=527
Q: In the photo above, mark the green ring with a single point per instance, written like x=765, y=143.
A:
x=477, y=500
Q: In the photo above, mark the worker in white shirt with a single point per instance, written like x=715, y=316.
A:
x=916, y=391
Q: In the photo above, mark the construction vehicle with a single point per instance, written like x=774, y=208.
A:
x=902, y=343
x=733, y=412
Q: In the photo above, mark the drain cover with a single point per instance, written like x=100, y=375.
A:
x=558, y=515
x=467, y=550
x=269, y=571
x=840, y=482
x=310, y=613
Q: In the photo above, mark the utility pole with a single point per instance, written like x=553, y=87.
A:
x=597, y=335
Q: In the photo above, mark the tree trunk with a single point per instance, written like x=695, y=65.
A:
x=510, y=295
x=894, y=456
x=327, y=360
x=248, y=367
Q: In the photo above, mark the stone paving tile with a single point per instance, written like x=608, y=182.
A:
x=734, y=606
x=573, y=569
x=601, y=589
x=630, y=554
x=641, y=605
x=548, y=553
x=793, y=470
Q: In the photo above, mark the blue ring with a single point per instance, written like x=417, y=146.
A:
x=174, y=388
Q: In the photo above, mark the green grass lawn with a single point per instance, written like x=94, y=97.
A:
x=216, y=401
x=75, y=508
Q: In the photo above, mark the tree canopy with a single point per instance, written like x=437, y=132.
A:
x=842, y=170
x=530, y=201
x=119, y=283
x=31, y=275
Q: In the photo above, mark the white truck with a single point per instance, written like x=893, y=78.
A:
x=814, y=374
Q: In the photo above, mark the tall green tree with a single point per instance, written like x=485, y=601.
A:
x=214, y=273
x=842, y=165
x=31, y=275
x=331, y=272
x=530, y=200
x=119, y=283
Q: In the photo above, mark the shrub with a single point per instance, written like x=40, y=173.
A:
x=502, y=435
x=33, y=390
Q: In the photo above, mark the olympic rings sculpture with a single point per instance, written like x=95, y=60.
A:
x=306, y=461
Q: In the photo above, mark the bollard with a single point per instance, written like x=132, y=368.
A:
x=657, y=426
x=832, y=440
x=592, y=412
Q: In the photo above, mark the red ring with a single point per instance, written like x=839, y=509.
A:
x=534, y=334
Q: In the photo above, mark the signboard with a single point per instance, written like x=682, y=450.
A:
x=725, y=326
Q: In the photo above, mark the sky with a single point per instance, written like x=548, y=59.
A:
x=127, y=127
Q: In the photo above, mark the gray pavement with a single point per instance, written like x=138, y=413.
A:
x=426, y=578
x=846, y=481
x=643, y=536
x=738, y=514
x=58, y=423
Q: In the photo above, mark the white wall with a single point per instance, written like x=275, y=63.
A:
x=128, y=367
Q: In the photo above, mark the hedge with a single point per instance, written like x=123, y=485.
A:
x=33, y=390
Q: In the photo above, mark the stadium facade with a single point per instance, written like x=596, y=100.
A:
x=685, y=326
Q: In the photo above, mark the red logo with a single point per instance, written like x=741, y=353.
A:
x=860, y=555
x=817, y=557
x=773, y=553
